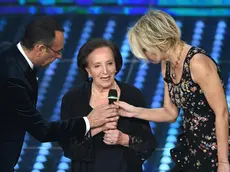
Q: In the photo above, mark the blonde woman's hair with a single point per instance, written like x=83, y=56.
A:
x=155, y=31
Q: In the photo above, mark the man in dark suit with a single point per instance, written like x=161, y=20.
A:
x=42, y=43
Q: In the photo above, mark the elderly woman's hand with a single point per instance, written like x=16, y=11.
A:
x=109, y=126
x=116, y=137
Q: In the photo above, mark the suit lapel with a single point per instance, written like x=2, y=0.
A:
x=30, y=75
x=32, y=79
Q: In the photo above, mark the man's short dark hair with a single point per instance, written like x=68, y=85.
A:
x=93, y=44
x=41, y=29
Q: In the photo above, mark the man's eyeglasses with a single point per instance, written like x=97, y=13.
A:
x=59, y=52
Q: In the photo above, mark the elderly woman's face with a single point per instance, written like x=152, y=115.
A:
x=102, y=67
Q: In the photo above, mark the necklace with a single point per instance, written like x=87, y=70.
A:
x=177, y=62
x=96, y=97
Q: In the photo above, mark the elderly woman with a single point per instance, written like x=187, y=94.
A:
x=114, y=147
x=192, y=83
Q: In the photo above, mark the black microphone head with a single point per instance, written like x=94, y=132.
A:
x=112, y=96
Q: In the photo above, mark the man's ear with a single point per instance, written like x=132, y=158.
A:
x=40, y=48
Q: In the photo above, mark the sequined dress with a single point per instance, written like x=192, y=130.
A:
x=196, y=149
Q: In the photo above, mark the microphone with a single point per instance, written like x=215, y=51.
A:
x=112, y=96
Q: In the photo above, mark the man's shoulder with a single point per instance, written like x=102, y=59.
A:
x=8, y=66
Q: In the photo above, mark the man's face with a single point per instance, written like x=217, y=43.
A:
x=50, y=53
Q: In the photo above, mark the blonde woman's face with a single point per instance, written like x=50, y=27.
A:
x=154, y=56
x=102, y=67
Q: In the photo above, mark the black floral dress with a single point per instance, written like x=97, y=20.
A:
x=196, y=150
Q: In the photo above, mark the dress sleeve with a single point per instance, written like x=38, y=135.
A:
x=141, y=140
x=75, y=149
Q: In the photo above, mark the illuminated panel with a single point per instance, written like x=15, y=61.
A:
x=117, y=9
x=125, y=50
x=218, y=40
x=130, y=2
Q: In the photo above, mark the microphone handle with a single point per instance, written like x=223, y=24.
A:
x=111, y=101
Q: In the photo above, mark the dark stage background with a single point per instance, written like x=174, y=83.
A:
x=204, y=23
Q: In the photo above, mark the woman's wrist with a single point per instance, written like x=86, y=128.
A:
x=124, y=140
x=225, y=162
x=95, y=131
x=138, y=111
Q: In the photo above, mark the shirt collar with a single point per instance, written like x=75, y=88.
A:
x=19, y=46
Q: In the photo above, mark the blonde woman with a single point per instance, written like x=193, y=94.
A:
x=193, y=84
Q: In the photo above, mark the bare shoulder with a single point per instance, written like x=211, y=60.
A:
x=201, y=62
x=202, y=66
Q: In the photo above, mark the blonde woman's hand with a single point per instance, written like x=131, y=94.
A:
x=127, y=110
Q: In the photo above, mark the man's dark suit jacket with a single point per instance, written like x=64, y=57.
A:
x=18, y=96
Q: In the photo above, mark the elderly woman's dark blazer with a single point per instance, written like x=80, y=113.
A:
x=92, y=154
